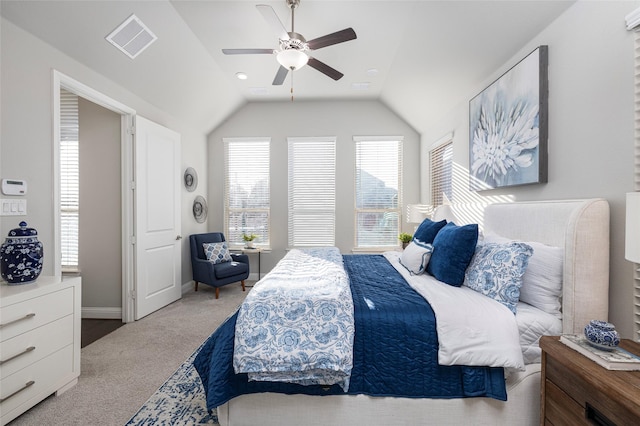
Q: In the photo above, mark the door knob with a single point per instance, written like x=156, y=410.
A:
x=179, y=237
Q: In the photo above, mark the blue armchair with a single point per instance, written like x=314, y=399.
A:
x=219, y=274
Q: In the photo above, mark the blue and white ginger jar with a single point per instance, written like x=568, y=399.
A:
x=602, y=334
x=21, y=256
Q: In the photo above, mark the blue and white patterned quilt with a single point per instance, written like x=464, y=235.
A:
x=296, y=325
x=395, y=348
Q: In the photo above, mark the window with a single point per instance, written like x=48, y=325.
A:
x=69, y=180
x=378, y=192
x=247, y=193
x=441, y=166
x=312, y=191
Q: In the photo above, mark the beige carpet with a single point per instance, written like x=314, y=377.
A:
x=123, y=369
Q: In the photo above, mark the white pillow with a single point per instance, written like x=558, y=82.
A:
x=415, y=257
x=542, y=281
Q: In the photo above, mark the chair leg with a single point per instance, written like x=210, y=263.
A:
x=196, y=285
x=242, y=285
x=217, y=292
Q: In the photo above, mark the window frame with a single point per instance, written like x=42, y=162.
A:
x=358, y=140
x=69, y=152
x=307, y=208
x=438, y=169
x=230, y=236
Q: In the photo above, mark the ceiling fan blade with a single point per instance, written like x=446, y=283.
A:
x=331, y=39
x=280, y=76
x=324, y=68
x=272, y=19
x=247, y=51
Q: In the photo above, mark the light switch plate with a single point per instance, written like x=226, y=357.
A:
x=13, y=207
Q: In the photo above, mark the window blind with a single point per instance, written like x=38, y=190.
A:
x=69, y=179
x=247, y=189
x=378, y=182
x=312, y=191
x=441, y=168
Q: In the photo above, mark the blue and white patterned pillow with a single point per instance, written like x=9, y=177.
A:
x=217, y=252
x=415, y=257
x=496, y=271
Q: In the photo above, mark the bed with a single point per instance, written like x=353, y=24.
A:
x=579, y=227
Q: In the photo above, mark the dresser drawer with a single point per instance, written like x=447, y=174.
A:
x=560, y=408
x=27, y=348
x=47, y=376
x=26, y=315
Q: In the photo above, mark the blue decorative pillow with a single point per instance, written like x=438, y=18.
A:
x=428, y=230
x=496, y=271
x=217, y=252
x=415, y=257
x=453, y=248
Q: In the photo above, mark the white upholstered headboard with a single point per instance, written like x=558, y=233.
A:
x=582, y=228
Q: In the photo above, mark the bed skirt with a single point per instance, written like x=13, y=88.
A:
x=266, y=409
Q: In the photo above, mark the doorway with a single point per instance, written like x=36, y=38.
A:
x=149, y=208
x=126, y=117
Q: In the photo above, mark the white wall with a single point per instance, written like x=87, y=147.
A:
x=591, y=127
x=26, y=131
x=100, y=240
x=280, y=120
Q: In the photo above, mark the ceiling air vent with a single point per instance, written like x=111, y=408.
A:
x=131, y=37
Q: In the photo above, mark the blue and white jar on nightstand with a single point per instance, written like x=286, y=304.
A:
x=602, y=334
x=21, y=256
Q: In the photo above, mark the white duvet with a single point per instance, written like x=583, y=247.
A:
x=472, y=329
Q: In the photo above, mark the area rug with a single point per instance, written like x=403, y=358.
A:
x=179, y=401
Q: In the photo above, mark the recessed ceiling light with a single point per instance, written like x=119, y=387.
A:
x=241, y=76
x=372, y=71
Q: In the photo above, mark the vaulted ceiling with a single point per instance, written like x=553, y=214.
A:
x=417, y=57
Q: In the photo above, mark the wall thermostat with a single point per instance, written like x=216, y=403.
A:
x=14, y=187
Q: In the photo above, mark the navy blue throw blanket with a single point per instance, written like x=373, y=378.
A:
x=395, y=348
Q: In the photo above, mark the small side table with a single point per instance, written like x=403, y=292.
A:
x=248, y=251
x=578, y=391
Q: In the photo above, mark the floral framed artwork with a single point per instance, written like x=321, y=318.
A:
x=508, y=127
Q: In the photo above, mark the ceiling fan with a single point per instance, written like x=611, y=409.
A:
x=294, y=49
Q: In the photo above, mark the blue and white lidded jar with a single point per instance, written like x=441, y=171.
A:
x=21, y=256
x=602, y=334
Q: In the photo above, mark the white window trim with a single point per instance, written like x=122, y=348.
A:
x=378, y=138
x=322, y=139
x=448, y=138
x=266, y=247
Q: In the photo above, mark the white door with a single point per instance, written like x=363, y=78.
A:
x=157, y=217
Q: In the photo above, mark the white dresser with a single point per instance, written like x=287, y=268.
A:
x=39, y=342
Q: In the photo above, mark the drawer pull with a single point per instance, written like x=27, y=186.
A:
x=26, y=385
x=26, y=351
x=19, y=319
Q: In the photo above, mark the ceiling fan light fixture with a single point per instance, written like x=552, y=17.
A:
x=292, y=59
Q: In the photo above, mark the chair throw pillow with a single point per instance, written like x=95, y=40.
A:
x=496, y=271
x=428, y=230
x=415, y=257
x=453, y=249
x=217, y=252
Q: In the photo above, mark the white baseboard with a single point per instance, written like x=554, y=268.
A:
x=102, y=313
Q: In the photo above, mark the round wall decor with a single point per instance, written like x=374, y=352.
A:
x=190, y=179
x=200, y=209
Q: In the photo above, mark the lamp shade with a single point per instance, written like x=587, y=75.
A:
x=632, y=233
x=292, y=59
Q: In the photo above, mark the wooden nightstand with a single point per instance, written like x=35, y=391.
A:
x=577, y=391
